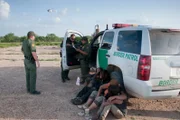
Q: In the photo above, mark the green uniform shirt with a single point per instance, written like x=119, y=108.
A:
x=28, y=47
x=85, y=48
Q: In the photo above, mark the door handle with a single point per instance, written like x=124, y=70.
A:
x=107, y=55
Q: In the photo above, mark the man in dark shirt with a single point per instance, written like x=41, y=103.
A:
x=70, y=53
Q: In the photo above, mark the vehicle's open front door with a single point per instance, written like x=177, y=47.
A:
x=95, y=43
x=69, y=61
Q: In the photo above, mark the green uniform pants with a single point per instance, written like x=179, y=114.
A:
x=30, y=68
x=84, y=69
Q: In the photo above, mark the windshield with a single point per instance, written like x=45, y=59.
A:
x=165, y=43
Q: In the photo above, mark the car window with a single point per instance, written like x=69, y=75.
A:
x=130, y=41
x=107, y=40
x=163, y=43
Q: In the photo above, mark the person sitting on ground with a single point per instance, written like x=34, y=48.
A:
x=96, y=98
x=99, y=79
x=115, y=101
x=92, y=74
x=86, y=89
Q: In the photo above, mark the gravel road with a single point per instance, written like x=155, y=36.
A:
x=54, y=102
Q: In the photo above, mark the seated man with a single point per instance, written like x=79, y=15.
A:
x=100, y=78
x=96, y=98
x=115, y=102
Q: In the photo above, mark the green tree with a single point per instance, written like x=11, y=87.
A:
x=61, y=39
x=9, y=37
x=79, y=38
x=40, y=39
x=16, y=39
x=89, y=37
x=22, y=38
x=1, y=39
x=52, y=38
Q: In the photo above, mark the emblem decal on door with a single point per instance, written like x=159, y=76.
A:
x=126, y=56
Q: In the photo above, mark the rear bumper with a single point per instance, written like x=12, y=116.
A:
x=156, y=95
x=144, y=89
x=165, y=88
x=164, y=94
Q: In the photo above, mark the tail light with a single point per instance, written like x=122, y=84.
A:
x=144, y=68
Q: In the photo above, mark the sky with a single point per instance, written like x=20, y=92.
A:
x=21, y=16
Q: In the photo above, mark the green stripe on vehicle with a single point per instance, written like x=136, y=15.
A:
x=103, y=62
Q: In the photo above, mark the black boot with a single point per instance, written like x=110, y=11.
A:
x=82, y=82
x=36, y=93
x=63, y=80
x=67, y=78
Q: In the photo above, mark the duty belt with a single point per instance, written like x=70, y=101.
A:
x=29, y=58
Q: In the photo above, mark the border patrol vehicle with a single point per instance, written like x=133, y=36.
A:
x=147, y=57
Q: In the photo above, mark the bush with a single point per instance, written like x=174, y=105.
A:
x=47, y=43
x=5, y=45
x=48, y=38
x=10, y=40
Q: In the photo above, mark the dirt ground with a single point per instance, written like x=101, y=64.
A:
x=54, y=102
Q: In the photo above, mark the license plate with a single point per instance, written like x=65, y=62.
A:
x=175, y=72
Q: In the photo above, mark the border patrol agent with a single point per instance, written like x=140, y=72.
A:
x=84, y=58
x=30, y=61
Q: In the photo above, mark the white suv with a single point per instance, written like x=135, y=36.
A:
x=148, y=58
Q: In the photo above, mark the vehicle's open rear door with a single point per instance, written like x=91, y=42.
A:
x=69, y=61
